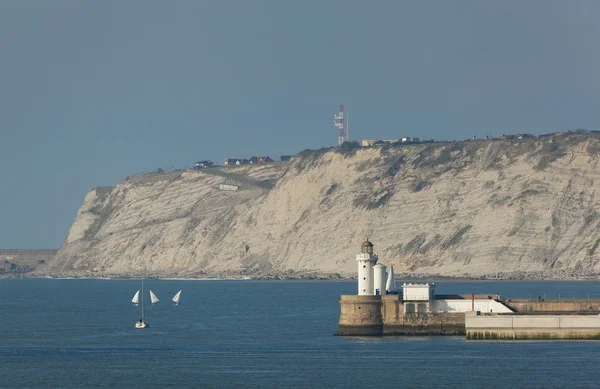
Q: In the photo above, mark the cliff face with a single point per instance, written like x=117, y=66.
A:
x=456, y=209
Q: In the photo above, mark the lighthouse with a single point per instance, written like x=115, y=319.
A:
x=362, y=314
x=366, y=263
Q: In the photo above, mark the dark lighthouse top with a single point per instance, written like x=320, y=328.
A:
x=367, y=247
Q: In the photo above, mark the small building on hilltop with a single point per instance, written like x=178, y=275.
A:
x=246, y=161
x=409, y=139
x=259, y=160
x=375, y=142
x=264, y=159
x=203, y=164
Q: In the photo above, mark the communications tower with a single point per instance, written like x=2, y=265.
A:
x=338, y=121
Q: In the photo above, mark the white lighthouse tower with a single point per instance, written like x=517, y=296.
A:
x=366, y=260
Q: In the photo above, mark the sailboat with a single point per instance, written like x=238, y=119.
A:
x=153, y=298
x=136, y=298
x=142, y=323
x=176, y=298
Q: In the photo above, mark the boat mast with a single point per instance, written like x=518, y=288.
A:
x=142, y=298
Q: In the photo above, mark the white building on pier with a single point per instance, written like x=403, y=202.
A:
x=375, y=280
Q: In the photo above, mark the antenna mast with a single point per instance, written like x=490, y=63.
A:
x=338, y=121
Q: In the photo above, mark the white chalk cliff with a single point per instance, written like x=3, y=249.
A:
x=455, y=209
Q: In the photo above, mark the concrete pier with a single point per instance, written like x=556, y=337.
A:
x=384, y=315
x=388, y=315
x=566, y=305
x=516, y=327
x=379, y=309
x=427, y=324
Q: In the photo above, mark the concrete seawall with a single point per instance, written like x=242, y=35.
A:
x=427, y=324
x=384, y=315
x=567, y=305
x=532, y=327
x=519, y=319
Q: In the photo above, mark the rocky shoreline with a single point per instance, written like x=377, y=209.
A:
x=559, y=275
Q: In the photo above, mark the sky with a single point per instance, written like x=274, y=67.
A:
x=94, y=91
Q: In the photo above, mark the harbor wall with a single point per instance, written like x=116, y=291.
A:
x=397, y=322
x=580, y=305
x=384, y=315
x=532, y=327
x=426, y=324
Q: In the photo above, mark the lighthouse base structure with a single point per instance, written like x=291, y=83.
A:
x=360, y=316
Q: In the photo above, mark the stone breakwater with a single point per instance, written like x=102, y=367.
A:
x=503, y=209
x=522, y=319
x=517, y=327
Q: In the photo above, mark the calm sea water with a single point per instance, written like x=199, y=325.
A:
x=259, y=334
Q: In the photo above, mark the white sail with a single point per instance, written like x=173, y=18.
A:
x=136, y=298
x=176, y=297
x=153, y=298
x=391, y=281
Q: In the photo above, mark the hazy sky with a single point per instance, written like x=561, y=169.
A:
x=94, y=91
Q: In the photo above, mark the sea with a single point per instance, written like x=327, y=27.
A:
x=79, y=333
